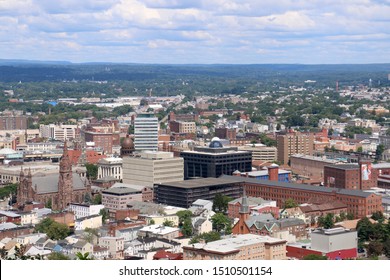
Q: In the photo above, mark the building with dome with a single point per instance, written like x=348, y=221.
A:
x=215, y=160
x=127, y=147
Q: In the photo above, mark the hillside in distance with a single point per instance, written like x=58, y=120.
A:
x=38, y=71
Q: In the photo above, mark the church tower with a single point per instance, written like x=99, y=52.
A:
x=25, y=191
x=241, y=227
x=65, y=182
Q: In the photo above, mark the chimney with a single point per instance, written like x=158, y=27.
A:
x=273, y=172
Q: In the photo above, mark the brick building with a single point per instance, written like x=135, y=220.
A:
x=310, y=166
x=58, y=190
x=359, y=203
x=294, y=143
x=13, y=122
x=182, y=127
x=349, y=176
x=226, y=133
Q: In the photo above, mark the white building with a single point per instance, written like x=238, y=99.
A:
x=94, y=221
x=146, y=132
x=85, y=210
x=58, y=132
x=110, y=167
x=152, y=168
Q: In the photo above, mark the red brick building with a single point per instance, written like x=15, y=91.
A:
x=359, y=203
x=226, y=133
x=348, y=176
x=101, y=139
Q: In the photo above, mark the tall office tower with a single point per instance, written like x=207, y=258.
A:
x=294, y=143
x=146, y=132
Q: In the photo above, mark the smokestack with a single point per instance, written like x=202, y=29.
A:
x=273, y=172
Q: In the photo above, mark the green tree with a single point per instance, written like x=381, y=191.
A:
x=57, y=231
x=183, y=215
x=220, y=203
x=152, y=222
x=57, y=256
x=315, y=257
x=48, y=203
x=379, y=151
x=378, y=216
x=290, y=203
x=221, y=223
x=186, y=229
x=105, y=215
x=327, y=221
x=97, y=199
x=83, y=257
x=92, y=171
x=359, y=150
x=365, y=229
x=168, y=223
x=207, y=237
x=8, y=190
x=386, y=247
x=374, y=249
x=91, y=234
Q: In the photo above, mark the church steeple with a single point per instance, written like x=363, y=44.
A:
x=241, y=227
x=65, y=181
x=244, y=209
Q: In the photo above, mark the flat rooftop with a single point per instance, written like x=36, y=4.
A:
x=235, y=243
x=203, y=182
x=344, y=166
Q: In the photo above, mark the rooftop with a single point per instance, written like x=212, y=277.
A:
x=121, y=191
x=293, y=186
x=344, y=166
x=203, y=182
x=235, y=243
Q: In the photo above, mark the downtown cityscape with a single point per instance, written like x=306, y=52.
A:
x=194, y=130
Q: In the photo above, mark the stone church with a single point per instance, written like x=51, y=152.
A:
x=57, y=190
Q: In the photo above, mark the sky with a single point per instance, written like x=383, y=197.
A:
x=196, y=31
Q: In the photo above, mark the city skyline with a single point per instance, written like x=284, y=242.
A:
x=196, y=32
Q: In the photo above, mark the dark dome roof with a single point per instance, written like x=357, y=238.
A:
x=127, y=143
x=216, y=144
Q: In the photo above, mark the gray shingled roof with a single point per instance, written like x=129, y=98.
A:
x=49, y=183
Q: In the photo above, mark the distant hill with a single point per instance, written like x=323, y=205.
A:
x=38, y=71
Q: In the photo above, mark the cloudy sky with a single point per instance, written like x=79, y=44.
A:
x=196, y=31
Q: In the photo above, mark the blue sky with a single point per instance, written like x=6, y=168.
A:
x=196, y=31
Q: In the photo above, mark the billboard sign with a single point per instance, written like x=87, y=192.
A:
x=366, y=171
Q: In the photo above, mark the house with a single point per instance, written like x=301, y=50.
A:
x=33, y=251
x=94, y=221
x=82, y=247
x=115, y=246
x=30, y=238
x=100, y=253
x=159, y=231
x=201, y=225
x=201, y=204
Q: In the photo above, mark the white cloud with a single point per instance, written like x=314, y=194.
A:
x=218, y=31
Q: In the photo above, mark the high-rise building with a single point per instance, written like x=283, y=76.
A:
x=146, y=132
x=150, y=167
x=294, y=143
x=13, y=122
x=215, y=160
